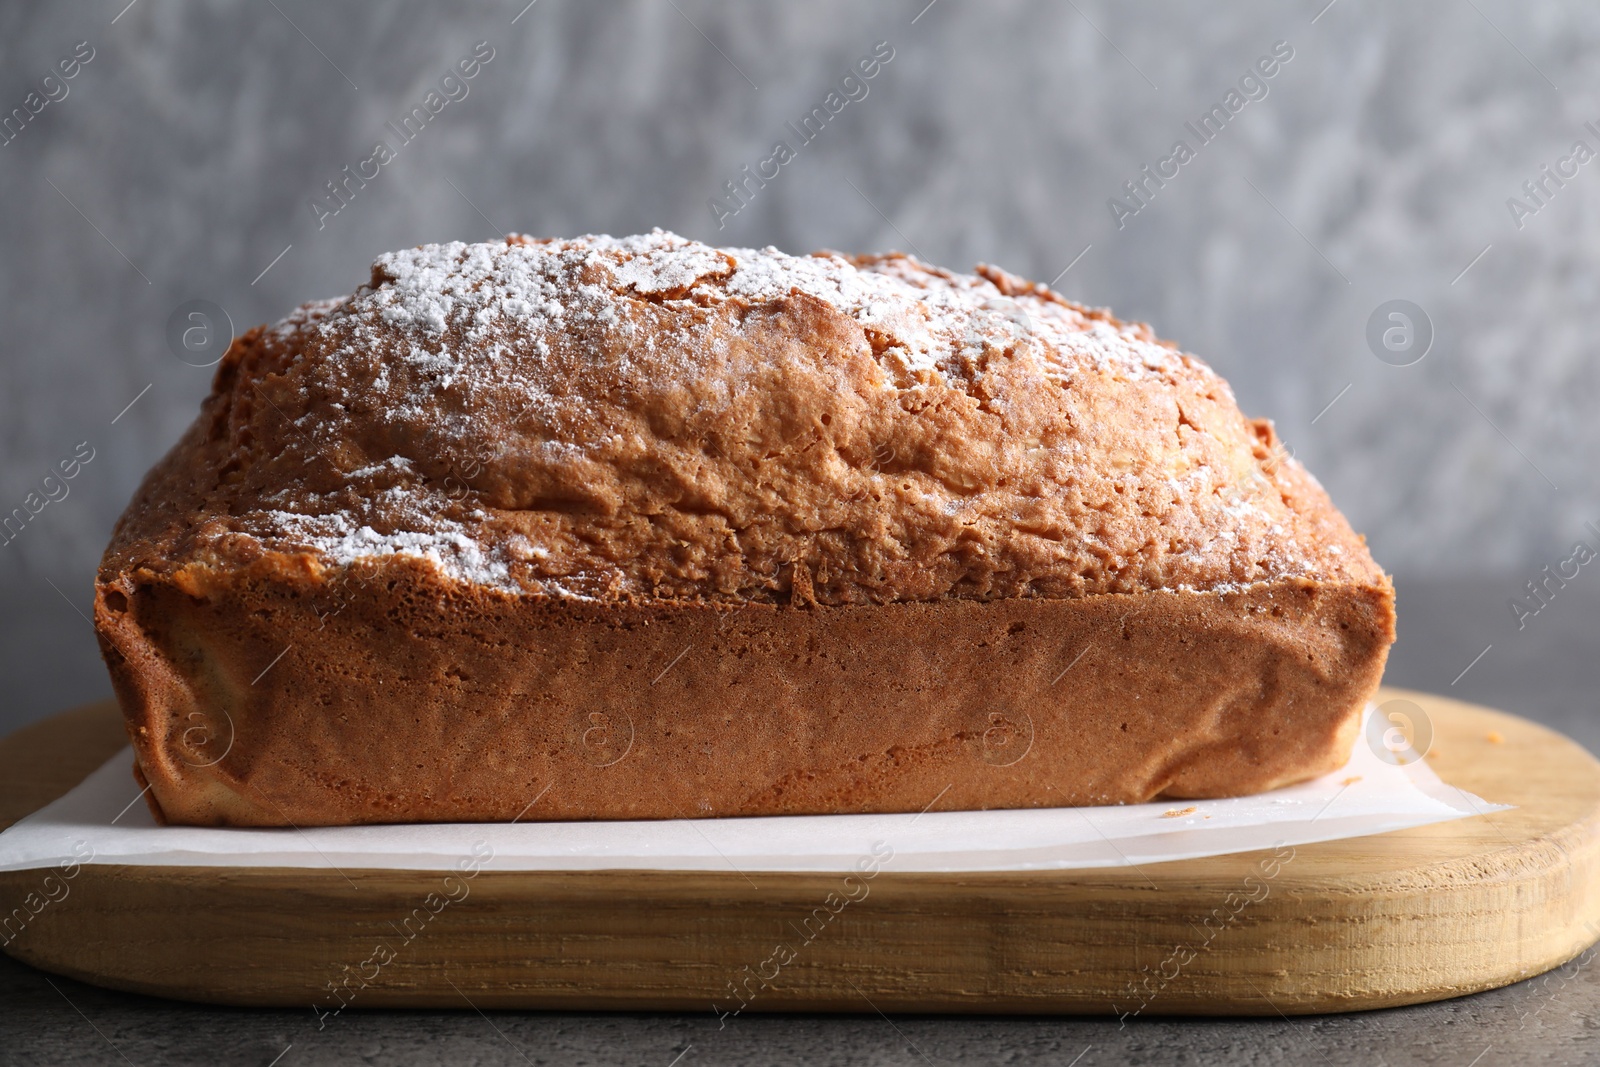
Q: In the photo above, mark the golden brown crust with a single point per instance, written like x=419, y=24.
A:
x=393, y=698
x=504, y=485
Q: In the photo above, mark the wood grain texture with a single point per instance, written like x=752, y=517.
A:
x=1399, y=918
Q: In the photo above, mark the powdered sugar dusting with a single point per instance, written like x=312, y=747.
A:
x=663, y=263
x=924, y=315
x=447, y=545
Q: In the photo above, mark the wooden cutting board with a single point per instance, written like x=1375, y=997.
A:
x=1399, y=918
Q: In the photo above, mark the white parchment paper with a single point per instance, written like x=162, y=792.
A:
x=104, y=820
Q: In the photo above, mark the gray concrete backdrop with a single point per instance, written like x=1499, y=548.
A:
x=186, y=154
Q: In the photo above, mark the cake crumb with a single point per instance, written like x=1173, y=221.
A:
x=1178, y=813
x=1352, y=780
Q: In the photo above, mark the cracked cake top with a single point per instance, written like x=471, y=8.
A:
x=651, y=417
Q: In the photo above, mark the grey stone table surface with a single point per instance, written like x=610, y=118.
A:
x=1546, y=671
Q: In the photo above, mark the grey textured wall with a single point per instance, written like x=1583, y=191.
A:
x=186, y=154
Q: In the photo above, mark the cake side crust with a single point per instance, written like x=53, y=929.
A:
x=274, y=698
